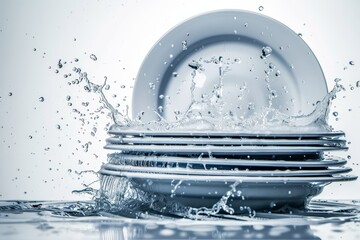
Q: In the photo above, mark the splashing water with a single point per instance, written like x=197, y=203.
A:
x=208, y=112
x=118, y=194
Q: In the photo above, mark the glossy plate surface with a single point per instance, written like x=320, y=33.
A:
x=224, y=141
x=208, y=180
x=223, y=150
x=331, y=161
x=228, y=44
x=234, y=134
x=243, y=173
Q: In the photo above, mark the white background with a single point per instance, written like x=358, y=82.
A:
x=120, y=33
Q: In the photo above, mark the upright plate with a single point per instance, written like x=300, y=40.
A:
x=224, y=141
x=238, y=173
x=228, y=43
x=220, y=150
x=221, y=162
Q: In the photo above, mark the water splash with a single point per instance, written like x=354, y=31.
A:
x=206, y=113
x=117, y=117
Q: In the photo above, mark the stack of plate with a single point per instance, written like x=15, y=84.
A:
x=262, y=170
x=270, y=170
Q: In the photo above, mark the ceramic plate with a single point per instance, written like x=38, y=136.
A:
x=240, y=173
x=231, y=45
x=200, y=192
x=221, y=162
x=226, y=179
x=223, y=150
x=224, y=141
x=233, y=134
x=261, y=193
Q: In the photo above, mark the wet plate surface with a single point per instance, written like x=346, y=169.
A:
x=203, y=161
x=223, y=150
x=233, y=40
x=216, y=172
x=224, y=141
x=86, y=220
x=288, y=133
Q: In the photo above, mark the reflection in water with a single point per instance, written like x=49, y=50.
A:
x=44, y=220
x=139, y=231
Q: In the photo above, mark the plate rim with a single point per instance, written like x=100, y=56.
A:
x=225, y=161
x=283, y=180
x=221, y=141
x=229, y=150
x=240, y=173
x=225, y=133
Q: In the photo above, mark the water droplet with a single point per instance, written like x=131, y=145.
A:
x=76, y=60
x=41, y=99
x=251, y=106
x=161, y=109
x=93, y=57
x=60, y=65
x=34, y=49
x=278, y=73
x=266, y=51
x=107, y=87
x=69, y=170
x=336, y=80
x=80, y=162
x=289, y=192
x=261, y=8
x=271, y=66
x=122, y=86
x=56, y=71
x=152, y=86
x=68, y=98
x=348, y=157
x=358, y=84
x=246, y=24
x=184, y=45
x=194, y=65
x=161, y=96
x=171, y=56
x=300, y=34
x=175, y=74
x=30, y=136
x=58, y=126
x=10, y=94
x=352, y=63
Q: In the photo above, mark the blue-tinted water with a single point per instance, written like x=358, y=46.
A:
x=87, y=220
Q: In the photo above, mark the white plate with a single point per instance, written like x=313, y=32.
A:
x=333, y=161
x=258, y=193
x=223, y=141
x=238, y=37
x=288, y=134
x=238, y=173
x=227, y=179
x=223, y=150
